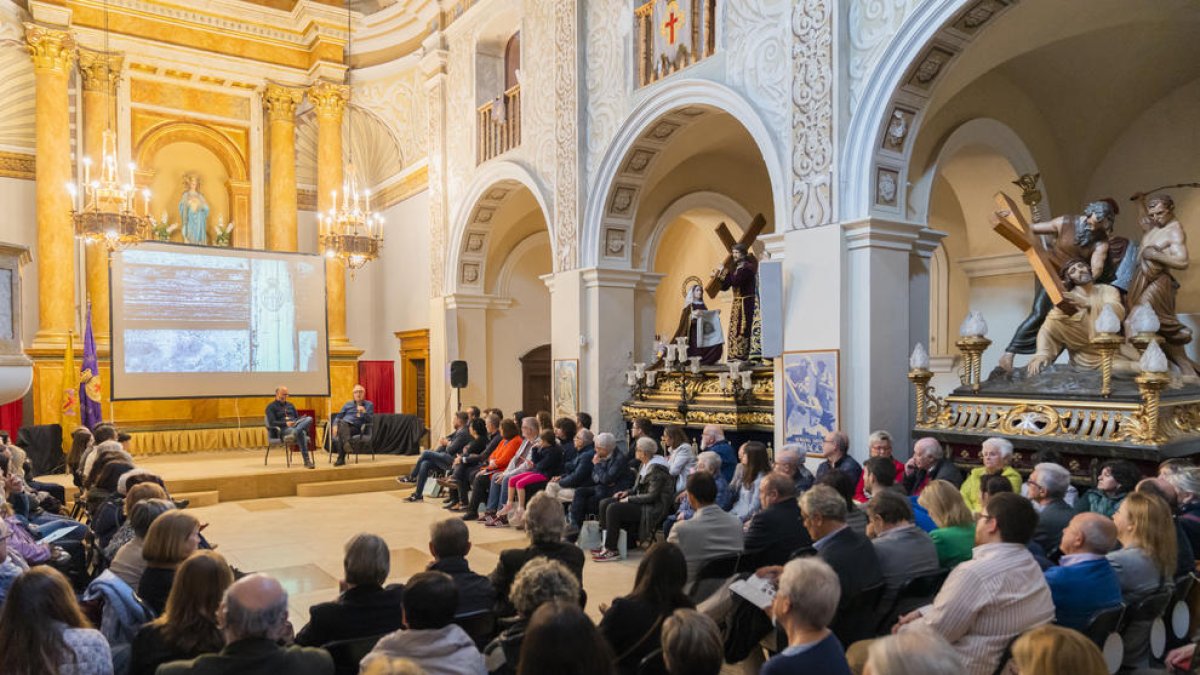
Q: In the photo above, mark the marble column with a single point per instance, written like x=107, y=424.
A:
x=100, y=73
x=329, y=100
x=281, y=113
x=53, y=52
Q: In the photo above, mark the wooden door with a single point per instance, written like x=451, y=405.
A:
x=535, y=380
x=414, y=373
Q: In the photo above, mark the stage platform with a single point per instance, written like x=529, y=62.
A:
x=207, y=478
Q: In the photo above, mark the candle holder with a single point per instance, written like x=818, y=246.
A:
x=1107, y=344
x=972, y=348
x=1150, y=385
x=1142, y=340
x=740, y=385
x=920, y=378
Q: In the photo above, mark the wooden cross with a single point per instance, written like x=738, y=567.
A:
x=756, y=227
x=1011, y=225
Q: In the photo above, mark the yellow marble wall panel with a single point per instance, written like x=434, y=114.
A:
x=230, y=141
x=343, y=375
x=178, y=32
x=189, y=99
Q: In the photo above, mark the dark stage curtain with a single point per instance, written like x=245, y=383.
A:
x=378, y=377
x=396, y=434
x=42, y=443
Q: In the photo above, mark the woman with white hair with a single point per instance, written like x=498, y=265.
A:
x=995, y=454
x=913, y=652
x=644, y=507
x=1186, y=482
x=804, y=606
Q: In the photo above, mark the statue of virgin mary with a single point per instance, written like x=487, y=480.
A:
x=193, y=211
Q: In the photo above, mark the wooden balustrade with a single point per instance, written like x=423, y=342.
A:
x=499, y=125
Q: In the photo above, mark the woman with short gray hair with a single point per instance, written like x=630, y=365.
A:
x=540, y=581
x=995, y=454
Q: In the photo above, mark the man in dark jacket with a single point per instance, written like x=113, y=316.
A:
x=577, y=471
x=777, y=531
x=929, y=462
x=467, y=465
x=449, y=543
x=365, y=607
x=282, y=416
x=1047, y=487
x=253, y=616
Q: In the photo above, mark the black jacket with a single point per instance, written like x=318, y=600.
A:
x=255, y=656
x=512, y=560
x=471, y=459
x=775, y=534
x=579, y=474
x=279, y=412
x=548, y=461
x=943, y=470
x=1052, y=520
x=360, y=612
x=852, y=556
x=475, y=592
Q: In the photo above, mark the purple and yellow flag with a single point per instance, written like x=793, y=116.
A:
x=69, y=406
x=90, y=411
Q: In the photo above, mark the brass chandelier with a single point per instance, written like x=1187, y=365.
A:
x=105, y=210
x=350, y=231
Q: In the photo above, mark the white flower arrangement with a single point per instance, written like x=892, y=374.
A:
x=164, y=229
x=224, y=233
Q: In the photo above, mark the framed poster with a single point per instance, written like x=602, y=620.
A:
x=811, y=399
x=566, y=387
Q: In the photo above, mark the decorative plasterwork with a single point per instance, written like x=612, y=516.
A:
x=17, y=165
x=870, y=27
x=759, y=56
x=608, y=50
x=433, y=68
x=895, y=86
x=399, y=103
x=812, y=109
x=460, y=115
x=566, y=134
x=373, y=148
x=538, y=46
x=17, y=98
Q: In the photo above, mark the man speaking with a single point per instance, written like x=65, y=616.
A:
x=282, y=416
x=351, y=419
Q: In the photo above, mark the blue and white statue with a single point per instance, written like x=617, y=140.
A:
x=193, y=211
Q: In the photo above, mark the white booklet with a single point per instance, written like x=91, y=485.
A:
x=55, y=535
x=756, y=590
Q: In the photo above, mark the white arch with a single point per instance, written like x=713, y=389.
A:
x=701, y=199
x=672, y=96
x=979, y=131
x=487, y=176
x=510, y=261
x=862, y=134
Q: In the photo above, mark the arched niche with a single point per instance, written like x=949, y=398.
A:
x=163, y=155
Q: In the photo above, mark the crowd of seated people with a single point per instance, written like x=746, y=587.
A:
x=875, y=567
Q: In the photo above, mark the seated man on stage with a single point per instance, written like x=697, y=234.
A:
x=351, y=419
x=282, y=415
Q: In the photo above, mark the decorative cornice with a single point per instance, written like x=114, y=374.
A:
x=412, y=183
x=17, y=165
x=477, y=301
x=99, y=71
x=50, y=49
x=603, y=277
x=281, y=102
x=884, y=234
x=994, y=265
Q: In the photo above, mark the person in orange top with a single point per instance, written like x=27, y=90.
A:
x=498, y=462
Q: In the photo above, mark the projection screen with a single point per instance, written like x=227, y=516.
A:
x=204, y=322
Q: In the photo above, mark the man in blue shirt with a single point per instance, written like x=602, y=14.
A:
x=282, y=415
x=351, y=419
x=713, y=438
x=1084, y=583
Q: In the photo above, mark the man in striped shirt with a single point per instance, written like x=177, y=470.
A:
x=997, y=595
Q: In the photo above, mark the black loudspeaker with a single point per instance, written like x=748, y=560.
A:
x=458, y=374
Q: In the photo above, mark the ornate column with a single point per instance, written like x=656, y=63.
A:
x=281, y=112
x=329, y=100
x=100, y=73
x=434, y=66
x=53, y=52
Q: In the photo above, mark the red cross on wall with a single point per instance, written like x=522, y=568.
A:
x=670, y=25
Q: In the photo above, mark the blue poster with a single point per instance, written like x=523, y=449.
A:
x=810, y=400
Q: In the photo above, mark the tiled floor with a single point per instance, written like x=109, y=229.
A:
x=300, y=540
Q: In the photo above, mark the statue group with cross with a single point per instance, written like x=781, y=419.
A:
x=739, y=273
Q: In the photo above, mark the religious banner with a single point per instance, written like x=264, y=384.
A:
x=672, y=34
x=89, y=379
x=566, y=387
x=810, y=405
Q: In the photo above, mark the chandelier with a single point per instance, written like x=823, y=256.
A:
x=105, y=210
x=350, y=231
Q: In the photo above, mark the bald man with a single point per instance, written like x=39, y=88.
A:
x=253, y=617
x=929, y=462
x=1084, y=582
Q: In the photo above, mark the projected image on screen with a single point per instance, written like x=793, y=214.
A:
x=216, y=322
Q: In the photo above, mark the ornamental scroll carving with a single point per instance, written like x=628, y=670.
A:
x=758, y=58
x=399, y=102
x=566, y=133
x=812, y=121
x=608, y=49
x=538, y=84
x=872, y=23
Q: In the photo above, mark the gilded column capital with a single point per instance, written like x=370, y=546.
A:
x=281, y=102
x=100, y=71
x=329, y=99
x=50, y=48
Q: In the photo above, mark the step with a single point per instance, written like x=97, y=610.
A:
x=198, y=499
x=350, y=487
